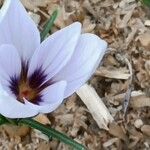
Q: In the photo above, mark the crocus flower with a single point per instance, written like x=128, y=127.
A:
x=35, y=77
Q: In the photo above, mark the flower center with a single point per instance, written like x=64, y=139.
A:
x=29, y=88
x=26, y=92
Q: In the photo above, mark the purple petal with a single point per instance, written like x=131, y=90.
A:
x=86, y=58
x=55, y=51
x=17, y=28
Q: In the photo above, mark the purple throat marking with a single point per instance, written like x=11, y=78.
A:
x=29, y=86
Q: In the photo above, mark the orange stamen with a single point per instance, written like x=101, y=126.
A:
x=26, y=92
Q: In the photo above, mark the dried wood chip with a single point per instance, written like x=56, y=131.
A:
x=34, y=4
x=125, y=25
x=39, y=134
x=117, y=131
x=44, y=146
x=87, y=5
x=128, y=13
x=29, y=5
x=138, y=123
x=135, y=137
x=16, y=131
x=131, y=35
x=110, y=142
x=42, y=119
x=120, y=73
x=65, y=119
x=95, y=106
x=146, y=129
x=88, y=26
x=140, y=101
x=145, y=39
x=147, y=23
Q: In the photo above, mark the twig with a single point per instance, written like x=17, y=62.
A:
x=129, y=89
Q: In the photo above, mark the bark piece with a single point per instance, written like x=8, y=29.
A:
x=95, y=106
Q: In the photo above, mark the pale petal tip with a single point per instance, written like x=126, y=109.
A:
x=76, y=25
x=103, y=44
x=4, y=9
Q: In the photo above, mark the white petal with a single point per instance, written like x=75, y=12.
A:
x=10, y=60
x=17, y=28
x=56, y=50
x=52, y=97
x=11, y=108
x=10, y=64
x=86, y=58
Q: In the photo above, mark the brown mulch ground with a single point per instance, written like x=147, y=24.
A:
x=125, y=25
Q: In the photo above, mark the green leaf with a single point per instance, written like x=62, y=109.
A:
x=146, y=2
x=48, y=25
x=50, y=132
x=3, y=120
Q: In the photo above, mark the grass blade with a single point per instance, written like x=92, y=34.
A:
x=48, y=25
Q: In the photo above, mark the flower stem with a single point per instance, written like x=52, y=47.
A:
x=50, y=132
x=49, y=25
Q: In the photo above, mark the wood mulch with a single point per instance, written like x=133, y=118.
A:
x=124, y=74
